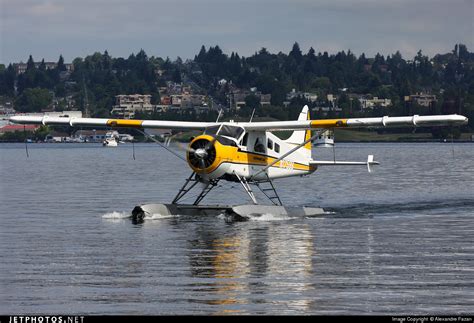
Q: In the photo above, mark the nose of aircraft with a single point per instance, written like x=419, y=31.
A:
x=201, y=153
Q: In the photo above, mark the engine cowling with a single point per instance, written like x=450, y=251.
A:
x=201, y=154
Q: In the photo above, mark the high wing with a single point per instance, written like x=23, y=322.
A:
x=121, y=123
x=411, y=121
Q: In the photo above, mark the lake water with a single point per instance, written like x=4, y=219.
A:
x=396, y=241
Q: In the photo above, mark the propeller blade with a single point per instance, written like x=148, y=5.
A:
x=211, y=143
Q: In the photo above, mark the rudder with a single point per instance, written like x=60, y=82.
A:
x=300, y=136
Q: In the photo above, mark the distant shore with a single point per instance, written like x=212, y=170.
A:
x=341, y=135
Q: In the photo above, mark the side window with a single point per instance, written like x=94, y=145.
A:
x=259, y=147
x=270, y=144
x=212, y=130
x=277, y=148
x=245, y=139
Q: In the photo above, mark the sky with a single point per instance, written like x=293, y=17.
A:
x=172, y=28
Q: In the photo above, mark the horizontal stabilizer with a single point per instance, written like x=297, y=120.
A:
x=370, y=161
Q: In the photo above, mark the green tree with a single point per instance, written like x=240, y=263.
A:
x=30, y=65
x=61, y=67
x=33, y=100
x=252, y=102
x=7, y=81
x=296, y=53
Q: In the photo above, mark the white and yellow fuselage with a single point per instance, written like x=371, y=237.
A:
x=247, y=154
x=245, y=162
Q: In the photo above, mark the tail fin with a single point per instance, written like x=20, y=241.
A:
x=300, y=136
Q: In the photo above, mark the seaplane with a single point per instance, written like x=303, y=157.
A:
x=248, y=153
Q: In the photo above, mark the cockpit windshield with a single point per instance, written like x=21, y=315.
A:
x=212, y=130
x=231, y=131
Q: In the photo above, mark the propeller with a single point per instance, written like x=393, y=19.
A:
x=184, y=147
x=201, y=153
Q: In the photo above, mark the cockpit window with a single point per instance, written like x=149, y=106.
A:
x=270, y=144
x=259, y=147
x=231, y=131
x=212, y=130
x=245, y=139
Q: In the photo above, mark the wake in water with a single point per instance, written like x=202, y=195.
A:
x=117, y=215
x=403, y=208
x=362, y=210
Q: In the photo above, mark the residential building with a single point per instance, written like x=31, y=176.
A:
x=20, y=68
x=370, y=103
x=193, y=100
x=6, y=109
x=331, y=99
x=127, y=105
x=312, y=97
x=176, y=100
x=323, y=110
x=237, y=97
x=425, y=100
x=17, y=127
x=165, y=100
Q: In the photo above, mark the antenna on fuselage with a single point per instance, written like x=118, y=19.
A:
x=219, y=115
x=251, y=117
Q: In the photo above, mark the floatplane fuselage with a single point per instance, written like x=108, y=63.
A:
x=231, y=152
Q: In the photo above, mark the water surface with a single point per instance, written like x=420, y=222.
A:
x=398, y=240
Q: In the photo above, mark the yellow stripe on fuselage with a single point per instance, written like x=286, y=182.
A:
x=124, y=123
x=329, y=123
x=248, y=158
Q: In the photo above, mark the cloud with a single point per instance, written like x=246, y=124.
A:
x=45, y=9
x=47, y=28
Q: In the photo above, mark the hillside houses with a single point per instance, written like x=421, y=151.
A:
x=371, y=103
x=237, y=97
x=127, y=105
x=423, y=99
x=176, y=97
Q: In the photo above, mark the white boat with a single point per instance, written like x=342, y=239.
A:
x=125, y=137
x=111, y=139
x=325, y=139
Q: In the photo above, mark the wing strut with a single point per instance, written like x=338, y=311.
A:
x=159, y=143
x=26, y=141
